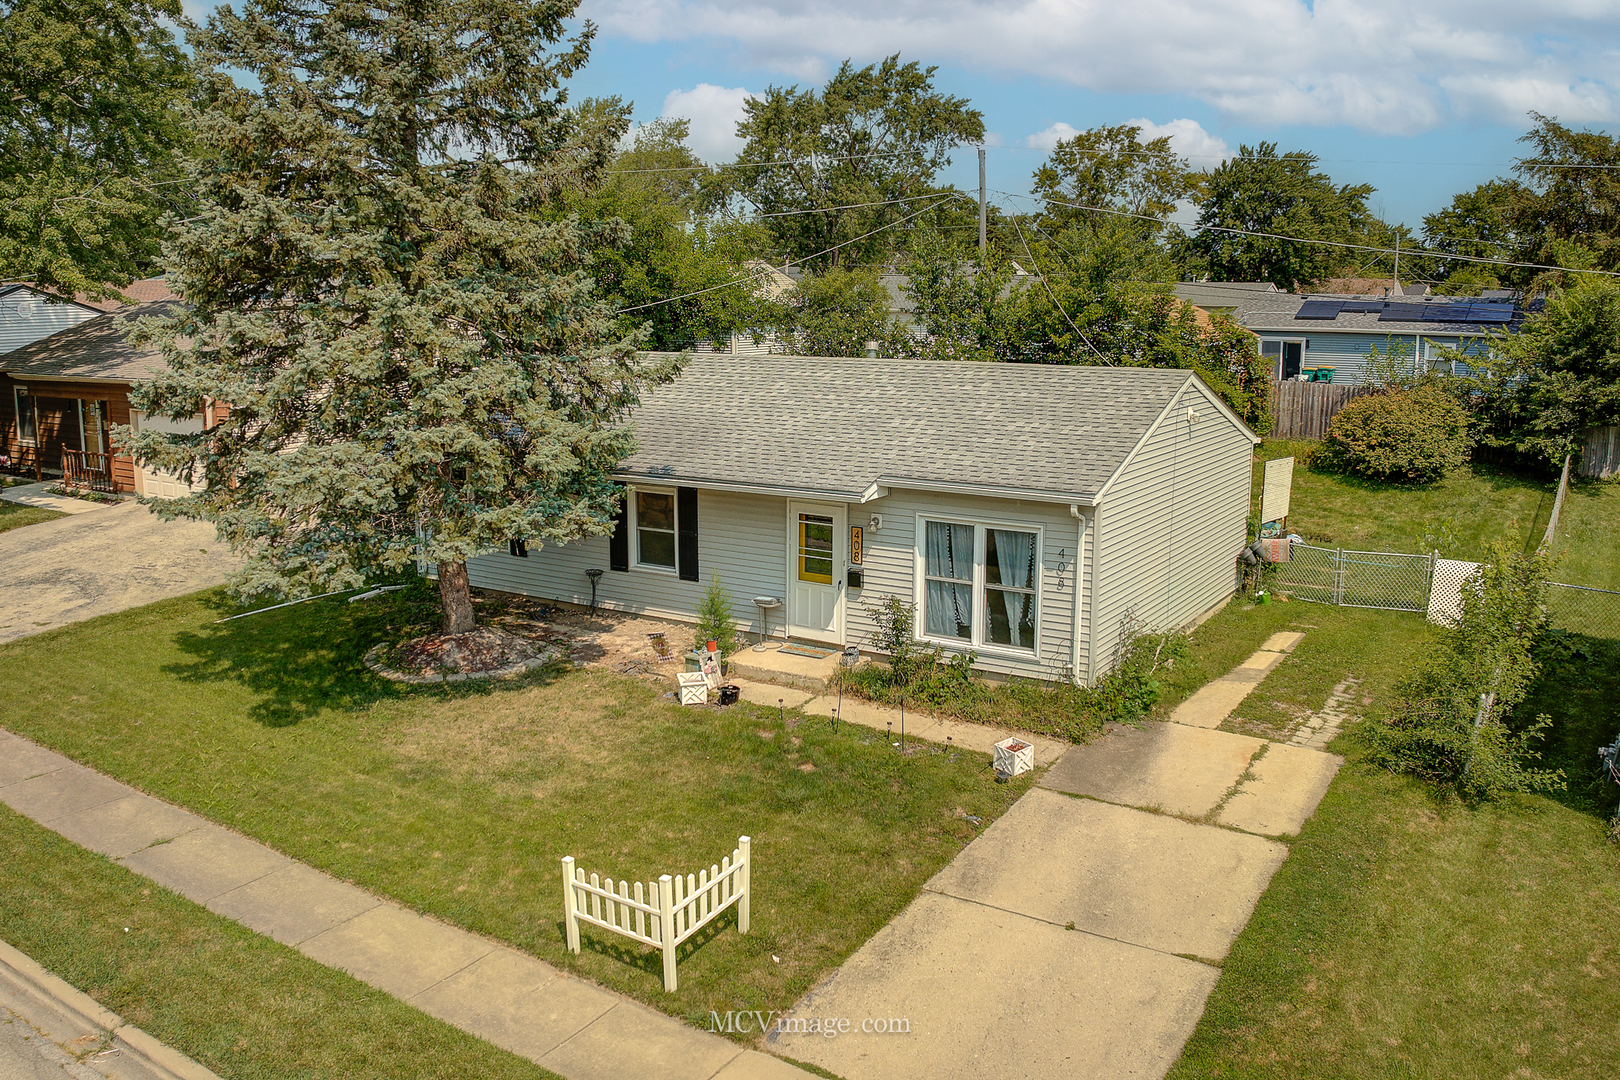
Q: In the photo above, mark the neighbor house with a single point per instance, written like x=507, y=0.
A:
x=1333, y=338
x=60, y=397
x=1028, y=511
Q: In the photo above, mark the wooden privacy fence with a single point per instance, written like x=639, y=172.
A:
x=664, y=913
x=1303, y=410
x=1600, y=453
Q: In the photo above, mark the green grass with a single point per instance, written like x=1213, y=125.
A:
x=460, y=802
x=233, y=1000
x=16, y=515
x=1459, y=515
x=1407, y=938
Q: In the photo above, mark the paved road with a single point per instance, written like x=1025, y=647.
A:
x=95, y=563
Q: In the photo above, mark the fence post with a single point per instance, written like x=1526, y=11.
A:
x=745, y=845
x=1338, y=577
x=570, y=917
x=666, y=916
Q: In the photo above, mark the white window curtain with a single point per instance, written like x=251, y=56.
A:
x=1010, y=588
x=949, y=570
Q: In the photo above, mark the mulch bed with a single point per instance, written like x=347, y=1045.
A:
x=484, y=653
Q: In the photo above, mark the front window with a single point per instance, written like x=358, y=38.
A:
x=980, y=584
x=655, y=529
x=1009, y=593
x=816, y=549
x=25, y=416
x=948, y=568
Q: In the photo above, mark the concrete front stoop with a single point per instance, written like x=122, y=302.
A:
x=782, y=669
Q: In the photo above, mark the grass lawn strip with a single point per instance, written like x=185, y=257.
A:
x=460, y=802
x=231, y=999
x=16, y=515
x=1405, y=938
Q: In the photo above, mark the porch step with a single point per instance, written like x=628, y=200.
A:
x=783, y=669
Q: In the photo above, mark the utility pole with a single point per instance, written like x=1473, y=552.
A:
x=981, y=205
x=1397, y=262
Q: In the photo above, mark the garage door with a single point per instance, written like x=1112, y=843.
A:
x=161, y=485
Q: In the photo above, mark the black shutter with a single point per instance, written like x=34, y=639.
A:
x=619, y=546
x=686, y=533
x=518, y=549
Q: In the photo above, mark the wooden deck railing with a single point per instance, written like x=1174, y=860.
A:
x=86, y=469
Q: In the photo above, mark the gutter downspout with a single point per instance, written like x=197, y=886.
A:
x=1079, y=613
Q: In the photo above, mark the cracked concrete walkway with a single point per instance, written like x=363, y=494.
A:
x=1079, y=935
x=566, y=1024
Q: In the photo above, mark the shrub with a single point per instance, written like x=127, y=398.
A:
x=895, y=621
x=714, y=620
x=1411, y=436
x=1453, y=723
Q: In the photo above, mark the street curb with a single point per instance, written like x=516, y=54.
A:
x=163, y=1062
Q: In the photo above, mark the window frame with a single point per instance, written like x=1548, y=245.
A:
x=18, y=393
x=978, y=639
x=674, y=530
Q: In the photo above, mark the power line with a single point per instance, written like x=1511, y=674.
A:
x=811, y=160
x=1053, y=296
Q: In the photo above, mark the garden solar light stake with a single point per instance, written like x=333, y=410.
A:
x=595, y=576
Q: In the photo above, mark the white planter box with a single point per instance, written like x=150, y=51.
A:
x=1013, y=756
x=694, y=688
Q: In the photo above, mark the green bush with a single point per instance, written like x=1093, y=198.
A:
x=1411, y=436
x=714, y=620
x=1456, y=720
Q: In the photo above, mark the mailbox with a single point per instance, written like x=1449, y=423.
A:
x=855, y=576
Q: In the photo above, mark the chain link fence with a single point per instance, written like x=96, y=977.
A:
x=1386, y=580
x=1582, y=609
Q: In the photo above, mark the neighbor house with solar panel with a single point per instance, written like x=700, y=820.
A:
x=1333, y=338
x=1028, y=511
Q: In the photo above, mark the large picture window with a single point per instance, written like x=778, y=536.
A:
x=655, y=529
x=980, y=584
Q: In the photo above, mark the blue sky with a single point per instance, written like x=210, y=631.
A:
x=1421, y=101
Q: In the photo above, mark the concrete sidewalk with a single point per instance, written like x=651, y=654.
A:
x=566, y=1024
x=1079, y=936
x=40, y=497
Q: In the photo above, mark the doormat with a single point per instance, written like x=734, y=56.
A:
x=814, y=652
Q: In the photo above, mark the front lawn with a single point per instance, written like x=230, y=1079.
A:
x=236, y=1001
x=16, y=515
x=460, y=802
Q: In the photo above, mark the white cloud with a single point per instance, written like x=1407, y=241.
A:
x=1048, y=139
x=1187, y=138
x=1387, y=66
x=714, y=112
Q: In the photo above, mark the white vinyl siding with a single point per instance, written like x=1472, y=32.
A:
x=740, y=539
x=891, y=569
x=1172, y=523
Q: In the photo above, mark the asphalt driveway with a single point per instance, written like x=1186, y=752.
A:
x=104, y=560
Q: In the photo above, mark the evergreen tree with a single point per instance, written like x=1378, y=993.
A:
x=90, y=136
x=381, y=285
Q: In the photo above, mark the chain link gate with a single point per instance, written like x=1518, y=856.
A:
x=1385, y=580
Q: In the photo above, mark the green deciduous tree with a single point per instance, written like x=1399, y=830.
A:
x=835, y=313
x=90, y=135
x=1262, y=191
x=1476, y=224
x=1540, y=388
x=383, y=285
x=1110, y=168
x=1556, y=205
x=654, y=186
x=872, y=135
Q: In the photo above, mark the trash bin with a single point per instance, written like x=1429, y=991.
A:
x=1324, y=374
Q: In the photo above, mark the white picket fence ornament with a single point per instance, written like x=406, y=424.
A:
x=664, y=913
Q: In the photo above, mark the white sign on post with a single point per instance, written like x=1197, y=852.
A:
x=709, y=664
x=1275, y=492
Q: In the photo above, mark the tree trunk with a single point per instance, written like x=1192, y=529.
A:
x=455, y=596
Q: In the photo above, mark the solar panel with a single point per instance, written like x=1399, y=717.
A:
x=1319, y=309
x=1366, y=307
x=1445, y=312
x=1491, y=313
x=1401, y=313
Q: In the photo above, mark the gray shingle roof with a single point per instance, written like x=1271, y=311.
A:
x=837, y=426
x=95, y=349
